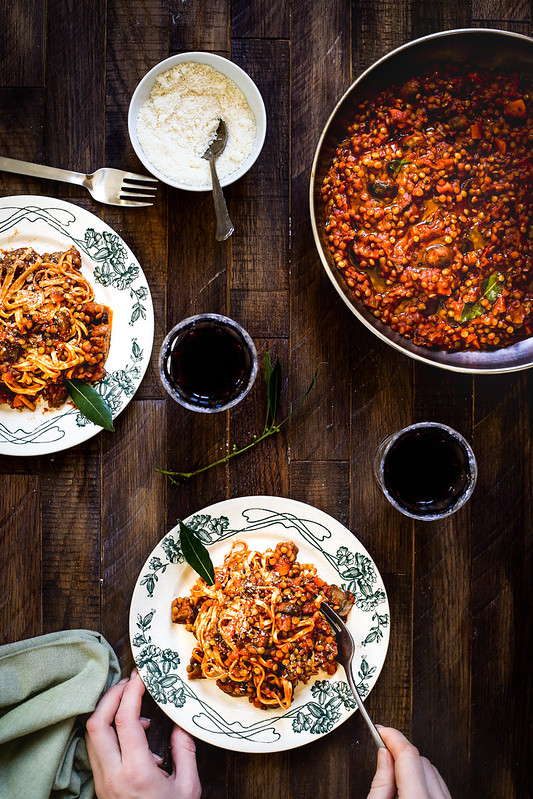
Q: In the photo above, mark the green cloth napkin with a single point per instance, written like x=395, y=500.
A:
x=48, y=685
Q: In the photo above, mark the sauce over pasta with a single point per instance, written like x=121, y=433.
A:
x=50, y=327
x=259, y=628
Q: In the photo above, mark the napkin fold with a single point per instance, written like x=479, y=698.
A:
x=48, y=685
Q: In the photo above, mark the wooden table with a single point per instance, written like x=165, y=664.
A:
x=77, y=526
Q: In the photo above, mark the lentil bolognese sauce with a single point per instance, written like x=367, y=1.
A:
x=50, y=327
x=259, y=628
x=428, y=205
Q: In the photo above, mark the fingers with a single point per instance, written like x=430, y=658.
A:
x=121, y=760
x=384, y=783
x=410, y=776
x=396, y=742
x=185, y=769
x=102, y=743
x=436, y=785
x=415, y=776
x=145, y=723
x=130, y=729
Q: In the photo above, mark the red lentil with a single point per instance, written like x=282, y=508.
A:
x=428, y=208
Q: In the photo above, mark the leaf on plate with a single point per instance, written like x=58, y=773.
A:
x=89, y=402
x=196, y=554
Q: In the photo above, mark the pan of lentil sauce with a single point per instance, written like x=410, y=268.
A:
x=426, y=205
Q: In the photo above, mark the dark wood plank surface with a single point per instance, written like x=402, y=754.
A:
x=76, y=526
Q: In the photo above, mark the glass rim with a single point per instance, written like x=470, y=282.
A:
x=379, y=469
x=188, y=324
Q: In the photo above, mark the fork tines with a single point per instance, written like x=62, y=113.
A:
x=133, y=195
x=332, y=616
x=135, y=176
x=132, y=191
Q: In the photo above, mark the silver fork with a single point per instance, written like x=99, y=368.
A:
x=111, y=186
x=346, y=650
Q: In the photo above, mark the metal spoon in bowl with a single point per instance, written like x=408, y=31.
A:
x=224, y=224
x=345, y=653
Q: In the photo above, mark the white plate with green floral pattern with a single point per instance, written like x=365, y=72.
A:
x=50, y=225
x=162, y=649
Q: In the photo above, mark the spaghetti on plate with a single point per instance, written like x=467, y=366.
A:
x=50, y=327
x=259, y=628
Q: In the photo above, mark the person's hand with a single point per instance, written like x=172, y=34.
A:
x=402, y=772
x=123, y=765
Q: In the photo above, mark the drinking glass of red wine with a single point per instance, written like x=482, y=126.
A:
x=208, y=363
x=427, y=471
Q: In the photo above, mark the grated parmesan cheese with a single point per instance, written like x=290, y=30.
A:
x=180, y=118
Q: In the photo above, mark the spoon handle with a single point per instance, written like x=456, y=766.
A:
x=378, y=740
x=224, y=224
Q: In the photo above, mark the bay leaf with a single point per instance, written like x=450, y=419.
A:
x=196, y=554
x=272, y=369
x=89, y=402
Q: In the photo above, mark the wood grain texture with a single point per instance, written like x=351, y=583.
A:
x=21, y=136
x=501, y=580
x=139, y=42
x=260, y=246
x=22, y=43
x=323, y=29
x=133, y=512
x=323, y=484
x=71, y=492
x=265, y=469
x=21, y=606
x=199, y=25
x=260, y=19
x=76, y=527
x=378, y=28
x=446, y=16
x=502, y=11
x=75, y=86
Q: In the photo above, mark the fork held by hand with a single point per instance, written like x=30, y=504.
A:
x=110, y=186
x=345, y=653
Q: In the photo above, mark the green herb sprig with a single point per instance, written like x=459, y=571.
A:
x=491, y=288
x=273, y=380
x=196, y=554
x=394, y=167
x=89, y=402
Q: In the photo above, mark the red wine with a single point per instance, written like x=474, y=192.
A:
x=207, y=364
x=426, y=471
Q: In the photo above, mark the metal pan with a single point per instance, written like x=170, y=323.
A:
x=492, y=49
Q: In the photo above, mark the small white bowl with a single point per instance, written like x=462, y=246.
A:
x=231, y=71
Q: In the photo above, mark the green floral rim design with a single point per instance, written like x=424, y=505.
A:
x=49, y=225
x=162, y=650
